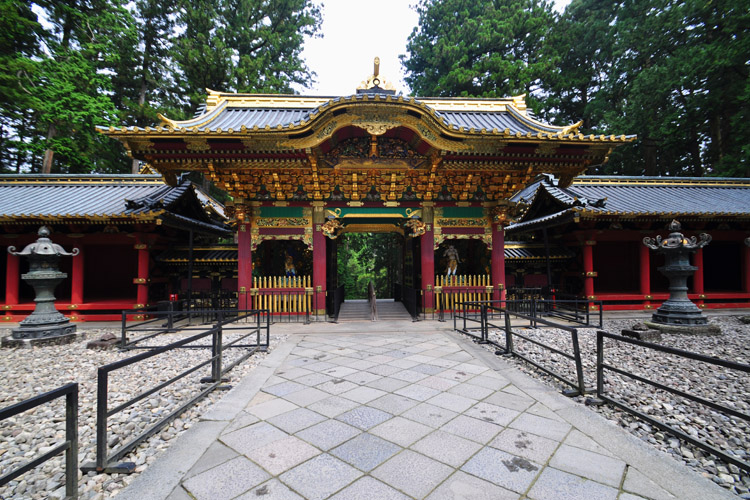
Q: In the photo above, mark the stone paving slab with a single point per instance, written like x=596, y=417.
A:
x=413, y=411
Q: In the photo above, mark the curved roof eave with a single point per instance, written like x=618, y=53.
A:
x=528, y=128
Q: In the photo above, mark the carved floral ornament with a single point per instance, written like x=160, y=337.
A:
x=484, y=238
x=506, y=212
x=376, y=124
x=416, y=226
x=332, y=228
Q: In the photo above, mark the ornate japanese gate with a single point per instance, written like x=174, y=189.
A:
x=307, y=168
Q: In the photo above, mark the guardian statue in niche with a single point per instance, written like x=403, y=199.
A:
x=451, y=255
x=289, y=269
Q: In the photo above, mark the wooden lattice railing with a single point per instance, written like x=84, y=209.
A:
x=451, y=290
x=282, y=295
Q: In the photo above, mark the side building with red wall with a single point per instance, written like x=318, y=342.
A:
x=602, y=220
x=118, y=222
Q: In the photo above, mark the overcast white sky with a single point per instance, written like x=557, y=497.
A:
x=354, y=32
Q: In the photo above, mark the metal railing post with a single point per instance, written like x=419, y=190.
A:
x=599, y=364
x=454, y=319
x=268, y=328
x=102, y=377
x=484, y=321
x=579, y=364
x=170, y=317
x=508, y=334
x=123, y=336
x=71, y=435
x=216, y=350
x=464, y=315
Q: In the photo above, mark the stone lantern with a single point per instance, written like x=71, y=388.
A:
x=678, y=313
x=45, y=323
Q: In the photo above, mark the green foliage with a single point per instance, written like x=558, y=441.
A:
x=479, y=49
x=19, y=43
x=99, y=62
x=579, y=49
x=365, y=257
x=243, y=45
x=673, y=72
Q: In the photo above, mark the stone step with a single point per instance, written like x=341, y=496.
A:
x=388, y=310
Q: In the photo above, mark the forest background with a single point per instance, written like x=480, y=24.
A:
x=676, y=73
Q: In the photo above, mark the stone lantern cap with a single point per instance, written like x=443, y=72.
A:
x=677, y=240
x=43, y=246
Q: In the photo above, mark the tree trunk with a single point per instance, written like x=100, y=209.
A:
x=49, y=154
x=135, y=166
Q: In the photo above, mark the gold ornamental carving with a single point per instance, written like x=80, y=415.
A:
x=283, y=222
x=197, y=144
x=372, y=115
x=332, y=229
x=260, y=238
x=376, y=124
x=416, y=227
x=461, y=222
x=376, y=80
x=327, y=130
x=140, y=145
x=484, y=238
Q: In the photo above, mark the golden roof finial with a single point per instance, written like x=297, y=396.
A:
x=375, y=80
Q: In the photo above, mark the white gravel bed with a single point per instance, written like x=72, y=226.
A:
x=30, y=372
x=721, y=385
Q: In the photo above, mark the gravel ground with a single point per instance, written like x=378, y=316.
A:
x=30, y=372
x=721, y=385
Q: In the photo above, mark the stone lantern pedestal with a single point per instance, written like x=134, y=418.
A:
x=45, y=324
x=679, y=313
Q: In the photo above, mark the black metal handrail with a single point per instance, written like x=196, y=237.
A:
x=70, y=446
x=601, y=366
x=575, y=310
x=104, y=461
x=493, y=308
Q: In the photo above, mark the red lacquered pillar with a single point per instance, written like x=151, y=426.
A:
x=588, y=270
x=76, y=291
x=319, y=271
x=427, y=259
x=12, y=278
x=698, y=278
x=244, y=266
x=497, y=265
x=645, y=271
x=141, y=280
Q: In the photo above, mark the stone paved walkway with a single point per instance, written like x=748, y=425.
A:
x=414, y=412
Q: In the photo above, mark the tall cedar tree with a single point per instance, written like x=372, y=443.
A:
x=142, y=83
x=580, y=49
x=72, y=83
x=680, y=80
x=19, y=44
x=243, y=46
x=97, y=62
x=479, y=49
